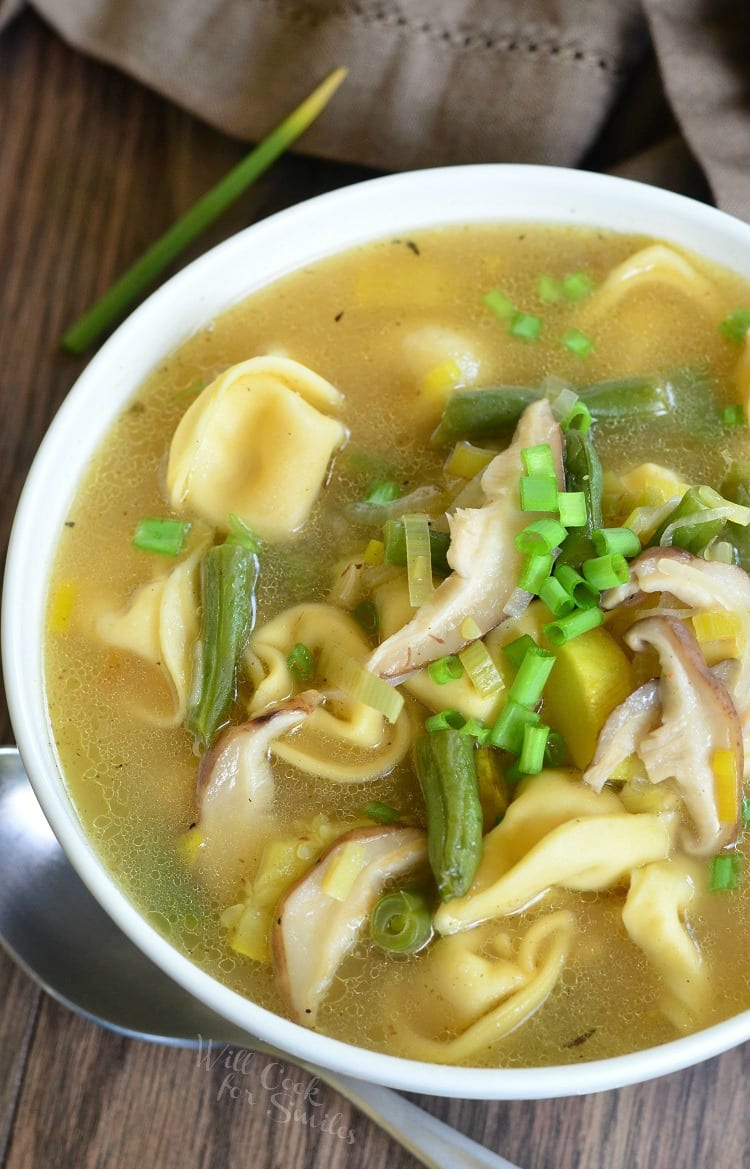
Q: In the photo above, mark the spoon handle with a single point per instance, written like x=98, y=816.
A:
x=433, y=1143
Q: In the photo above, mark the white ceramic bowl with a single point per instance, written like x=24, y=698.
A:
x=262, y=253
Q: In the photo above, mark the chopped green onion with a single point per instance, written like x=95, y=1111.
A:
x=525, y=325
x=477, y=730
x=300, y=662
x=556, y=751
x=539, y=461
x=161, y=536
x=499, y=303
x=558, y=601
x=366, y=615
x=566, y=628
x=444, y=670
x=445, y=720
x=579, y=418
x=616, y=540
x=606, y=572
x=577, y=285
x=516, y=650
x=341, y=671
x=394, y=547
x=534, y=571
x=584, y=595
x=541, y=537
x=418, y=558
x=507, y=733
x=732, y=416
x=572, y=508
x=242, y=534
x=197, y=218
x=532, y=676
x=401, y=922
x=531, y=760
x=548, y=289
x=736, y=325
x=577, y=342
x=484, y=674
x=538, y=492
x=726, y=872
x=382, y=813
x=381, y=492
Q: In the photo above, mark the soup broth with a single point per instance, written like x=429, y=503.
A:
x=398, y=327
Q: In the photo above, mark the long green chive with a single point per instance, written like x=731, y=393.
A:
x=577, y=285
x=381, y=492
x=572, y=508
x=203, y=213
x=566, y=628
x=618, y=540
x=726, y=872
x=584, y=595
x=484, y=674
x=539, y=461
x=554, y=596
x=532, y=676
x=162, y=536
x=499, y=303
x=577, y=342
x=540, y=537
x=556, y=750
x=446, y=669
x=507, y=733
x=736, y=325
x=300, y=662
x=538, y=492
x=732, y=416
x=401, y=922
x=445, y=720
x=548, y=289
x=531, y=760
x=242, y=534
x=382, y=813
x=534, y=571
x=516, y=650
x=524, y=325
x=606, y=572
x=366, y=615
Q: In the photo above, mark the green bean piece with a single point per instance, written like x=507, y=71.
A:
x=692, y=537
x=583, y=472
x=483, y=413
x=229, y=573
x=736, y=487
x=394, y=539
x=448, y=777
x=634, y=398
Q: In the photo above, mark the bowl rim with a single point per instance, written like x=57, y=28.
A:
x=291, y=239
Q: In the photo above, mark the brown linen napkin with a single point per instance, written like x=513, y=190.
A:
x=449, y=81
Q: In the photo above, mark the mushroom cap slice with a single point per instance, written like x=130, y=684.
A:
x=621, y=734
x=314, y=931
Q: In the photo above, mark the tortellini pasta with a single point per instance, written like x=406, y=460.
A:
x=256, y=443
x=655, y=264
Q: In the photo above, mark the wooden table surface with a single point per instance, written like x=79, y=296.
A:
x=92, y=167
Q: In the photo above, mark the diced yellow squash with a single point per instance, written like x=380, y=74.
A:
x=438, y=382
x=250, y=928
x=724, y=764
x=343, y=872
x=374, y=553
x=719, y=634
x=590, y=678
x=651, y=485
x=467, y=460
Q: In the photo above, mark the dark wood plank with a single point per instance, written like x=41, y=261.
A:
x=19, y=1006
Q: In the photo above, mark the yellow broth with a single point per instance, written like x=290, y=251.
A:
x=347, y=318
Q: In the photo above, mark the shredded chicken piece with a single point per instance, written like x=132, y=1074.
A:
x=698, y=719
x=623, y=731
x=482, y=555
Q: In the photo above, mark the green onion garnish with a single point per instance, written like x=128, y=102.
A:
x=499, y=303
x=534, y=571
x=300, y=662
x=200, y=216
x=382, y=492
x=554, y=596
x=418, y=558
x=736, y=325
x=532, y=676
x=541, y=537
x=584, y=595
x=524, y=325
x=606, y=572
x=366, y=615
x=732, y=416
x=444, y=670
x=538, y=492
x=726, y=872
x=382, y=813
x=242, y=534
x=566, y=628
x=162, y=536
x=620, y=540
x=516, y=650
x=401, y=922
x=445, y=720
x=548, y=289
x=484, y=674
x=539, y=461
x=531, y=760
x=579, y=418
x=577, y=285
x=572, y=508
x=507, y=733
x=577, y=342
x=477, y=730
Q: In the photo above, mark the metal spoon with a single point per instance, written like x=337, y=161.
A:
x=58, y=933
